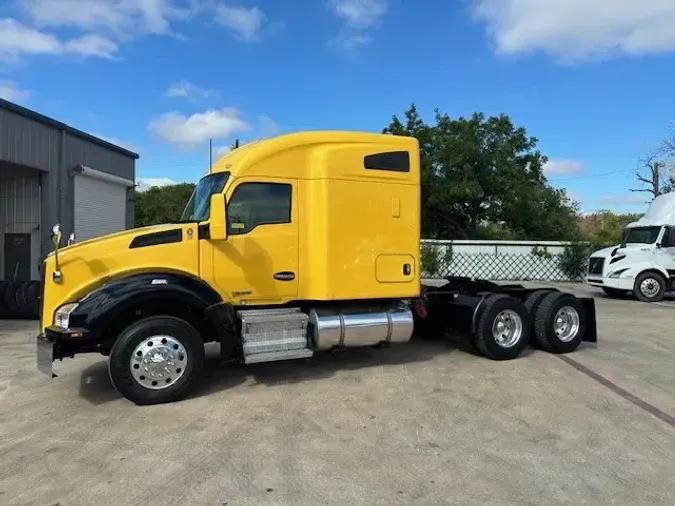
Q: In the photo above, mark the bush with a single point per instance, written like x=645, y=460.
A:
x=429, y=259
x=574, y=259
x=433, y=262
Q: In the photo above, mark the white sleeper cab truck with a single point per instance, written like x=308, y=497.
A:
x=644, y=262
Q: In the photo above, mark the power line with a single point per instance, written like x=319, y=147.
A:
x=590, y=176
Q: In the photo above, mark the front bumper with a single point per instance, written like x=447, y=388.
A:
x=615, y=283
x=57, y=343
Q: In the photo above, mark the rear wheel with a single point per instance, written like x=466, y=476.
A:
x=503, y=329
x=650, y=286
x=156, y=360
x=559, y=323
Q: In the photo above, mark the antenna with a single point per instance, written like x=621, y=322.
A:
x=210, y=155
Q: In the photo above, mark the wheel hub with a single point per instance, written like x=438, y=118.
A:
x=566, y=324
x=507, y=328
x=158, y=362
x=650, y=287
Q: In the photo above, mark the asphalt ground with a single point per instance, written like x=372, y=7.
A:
x=422, y=423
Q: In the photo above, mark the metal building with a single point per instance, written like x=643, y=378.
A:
x=53, y=173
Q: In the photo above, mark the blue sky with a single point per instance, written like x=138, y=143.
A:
x=591, y=79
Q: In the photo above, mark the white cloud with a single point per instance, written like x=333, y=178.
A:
x=122, y=17
x=145, y=183
x=360, y=14
x=17, y=39
x=191, y=91
x=220, y=151
x=359, y=17
x=188, y=131
x=92, y=45
x=9, y=90
x=578, y=29
x=565, y=167
x=245, y=23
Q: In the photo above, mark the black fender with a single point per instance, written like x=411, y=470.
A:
x=98, y=310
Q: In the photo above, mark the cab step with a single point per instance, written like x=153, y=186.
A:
x=274, y=334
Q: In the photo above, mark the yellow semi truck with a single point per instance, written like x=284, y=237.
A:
x=288, y=246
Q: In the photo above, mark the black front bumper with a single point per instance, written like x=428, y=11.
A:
x=57, y=343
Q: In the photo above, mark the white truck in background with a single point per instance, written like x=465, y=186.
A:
x=644, y=262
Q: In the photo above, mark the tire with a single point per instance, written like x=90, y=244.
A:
x=485, y=340
x=22, y=300
x=150, y=330
x=564, y=309
x=650, y=286
x=11, y=303
x=33, y=297
x=4, y=310
x=613, y=292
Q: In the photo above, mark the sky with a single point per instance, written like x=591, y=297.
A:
x=592, y=80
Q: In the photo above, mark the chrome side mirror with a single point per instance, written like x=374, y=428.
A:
x=71, y=239
x=56, y=235
x=56, y=240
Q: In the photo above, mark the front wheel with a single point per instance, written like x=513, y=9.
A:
x=156, y=360
x=650, y=287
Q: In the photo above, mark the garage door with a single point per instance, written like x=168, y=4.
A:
x=100, y=204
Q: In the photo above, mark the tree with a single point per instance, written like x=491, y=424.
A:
x=484, y=174
x=605, y=227
x=652, y=174
x=161, y=204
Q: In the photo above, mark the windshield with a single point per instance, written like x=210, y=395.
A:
x=640, y=235
x=198, y=207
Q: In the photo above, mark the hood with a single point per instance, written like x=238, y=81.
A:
x=604, y=252
x=89, y=264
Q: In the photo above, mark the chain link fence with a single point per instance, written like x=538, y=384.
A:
x=502, y=260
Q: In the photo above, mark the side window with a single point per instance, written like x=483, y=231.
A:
x=668, y=240
x=254, y=204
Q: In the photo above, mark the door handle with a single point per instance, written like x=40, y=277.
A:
x=284, y=276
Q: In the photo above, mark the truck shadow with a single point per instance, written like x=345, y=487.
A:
x=96, y=388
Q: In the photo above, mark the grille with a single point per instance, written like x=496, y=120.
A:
x=595, y=265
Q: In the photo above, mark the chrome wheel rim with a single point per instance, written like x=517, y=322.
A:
x=507, y=328
x=650, y=287
x=566, y=324
x=158, y=362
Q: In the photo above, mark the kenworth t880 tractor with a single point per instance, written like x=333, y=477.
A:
x=288, y=247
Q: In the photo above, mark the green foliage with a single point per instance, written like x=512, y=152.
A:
x=161, y=204
x=484, y=176
x=433, y=260
x=541, y=252
x=605, y=228
x=429, y=259
x=574, y=259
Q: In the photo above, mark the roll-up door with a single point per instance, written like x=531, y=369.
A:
x=100, y=203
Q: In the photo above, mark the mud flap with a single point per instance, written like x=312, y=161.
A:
x=45, y=356
x=591, y=334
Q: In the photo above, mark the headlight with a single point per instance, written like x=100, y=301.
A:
x=62, y=315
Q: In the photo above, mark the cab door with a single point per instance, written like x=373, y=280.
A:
x=666, y=252
x=258, y=263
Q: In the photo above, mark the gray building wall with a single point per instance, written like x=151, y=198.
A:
x=29, y=140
